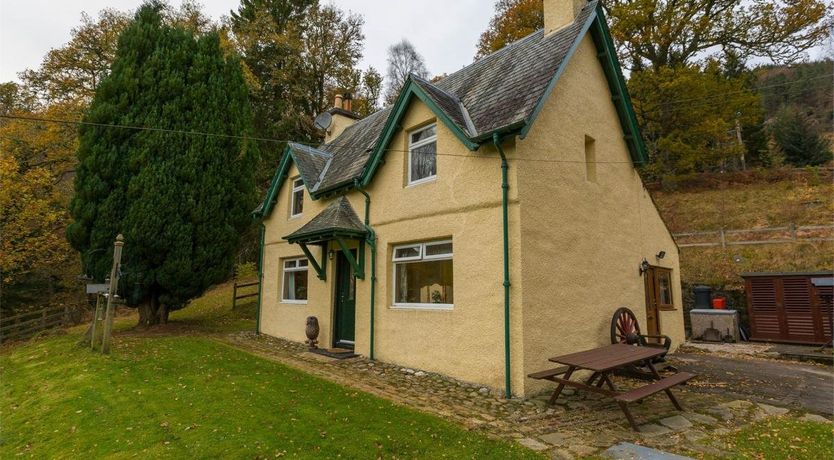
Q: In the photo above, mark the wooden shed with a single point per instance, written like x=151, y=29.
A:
x=790, y=307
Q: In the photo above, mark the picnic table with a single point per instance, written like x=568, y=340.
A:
x=603, y=362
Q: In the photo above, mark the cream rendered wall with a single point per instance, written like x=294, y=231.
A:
x=582, y=241
x=463, y=203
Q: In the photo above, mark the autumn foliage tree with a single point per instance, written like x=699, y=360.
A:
x=513, y=19
x=180, y=199
x=687, y=66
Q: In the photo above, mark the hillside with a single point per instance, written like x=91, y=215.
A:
x=748, y=201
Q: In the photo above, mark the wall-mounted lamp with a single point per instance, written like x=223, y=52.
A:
x=660, y=255
x=644, y=266
x=331, y=254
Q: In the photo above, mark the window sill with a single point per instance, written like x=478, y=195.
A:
x=427, y=180
x=423, y=306
x=295, y=216
x=667, y=308
x=294, y=302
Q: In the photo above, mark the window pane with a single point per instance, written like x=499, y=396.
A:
x=297, y=183
x=289, y=264
x=295, y=285
x=423, y=161
x=297, y=202
x=424, y=134
x=407, y=252
x=665, y=288
x=424, y=282
x=438, y=249
x=302, y=262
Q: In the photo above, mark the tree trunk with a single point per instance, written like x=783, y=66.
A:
x=151, y=312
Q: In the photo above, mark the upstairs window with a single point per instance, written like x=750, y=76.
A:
x=422, y=155
x=297, y=198
x=423, y=275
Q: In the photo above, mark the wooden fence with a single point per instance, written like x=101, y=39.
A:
x=772, y=235
x=237, y=296
x=25, y=325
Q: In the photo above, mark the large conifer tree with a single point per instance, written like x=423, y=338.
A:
x=180, y=199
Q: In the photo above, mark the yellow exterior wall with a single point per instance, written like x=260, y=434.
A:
x=574, y=246
x=463, y=203
x=582, y=242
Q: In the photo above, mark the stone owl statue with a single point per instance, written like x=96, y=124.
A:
x=312, y=331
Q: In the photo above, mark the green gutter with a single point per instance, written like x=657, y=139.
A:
x=371, y=239
x=496, y=140
x=260, y=279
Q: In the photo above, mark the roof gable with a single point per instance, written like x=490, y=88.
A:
x=502, y=93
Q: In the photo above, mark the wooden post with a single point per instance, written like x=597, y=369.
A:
x=96, y=322
x=111, y=291
x=723, y=238
x=43, y=319
x=234, y=295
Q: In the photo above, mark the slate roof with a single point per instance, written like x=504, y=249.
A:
x=500, y=92
x=339, y=217
x=497, y=91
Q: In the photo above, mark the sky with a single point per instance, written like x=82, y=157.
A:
x=30, y=28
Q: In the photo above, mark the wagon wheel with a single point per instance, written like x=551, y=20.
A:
x=624, y=327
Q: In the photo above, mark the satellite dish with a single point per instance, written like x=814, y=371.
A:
x=324, y=120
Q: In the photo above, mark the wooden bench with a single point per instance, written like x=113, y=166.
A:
x=638, y=394
x=547, y=374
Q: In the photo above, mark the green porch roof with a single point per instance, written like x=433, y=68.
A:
x=337, y=220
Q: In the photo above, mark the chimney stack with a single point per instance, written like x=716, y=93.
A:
x=560, y=13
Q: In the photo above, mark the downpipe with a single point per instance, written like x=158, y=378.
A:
x=371, y=240
x=260, y=280
x=496, y=140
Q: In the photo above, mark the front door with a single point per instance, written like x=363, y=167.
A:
x=345, y=300
x=658, y=293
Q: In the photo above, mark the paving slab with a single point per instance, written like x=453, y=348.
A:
x=532, y=444
x=556, y=439
x=676, y=422
x=629, y=451
x=773, y=410
x=653, y=429
x=815, y=418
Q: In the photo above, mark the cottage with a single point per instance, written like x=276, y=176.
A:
x=481, y=224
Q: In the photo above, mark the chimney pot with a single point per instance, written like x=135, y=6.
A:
x=338, y=104
x=348, y=103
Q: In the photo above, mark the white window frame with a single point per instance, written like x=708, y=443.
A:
x=297, y=184
x=422, y=257
x=297, y=268
x=414, y=145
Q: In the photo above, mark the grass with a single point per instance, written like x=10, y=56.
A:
x=190, y=396
x=744, y=206
x=781, y=438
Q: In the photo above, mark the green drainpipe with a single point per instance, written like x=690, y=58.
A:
x=371, y=240
x=260, y=279
x=496, y=140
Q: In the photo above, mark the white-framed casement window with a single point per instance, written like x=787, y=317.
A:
x=422, y=155
x=297, y=197
x=294, y=281
x=423, y=275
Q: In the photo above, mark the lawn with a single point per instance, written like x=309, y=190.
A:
x=781, y=438
x=191, y=396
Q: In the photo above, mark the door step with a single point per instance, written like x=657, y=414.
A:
x=338, y=353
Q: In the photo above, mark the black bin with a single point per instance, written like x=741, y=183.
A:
x=703, y=296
